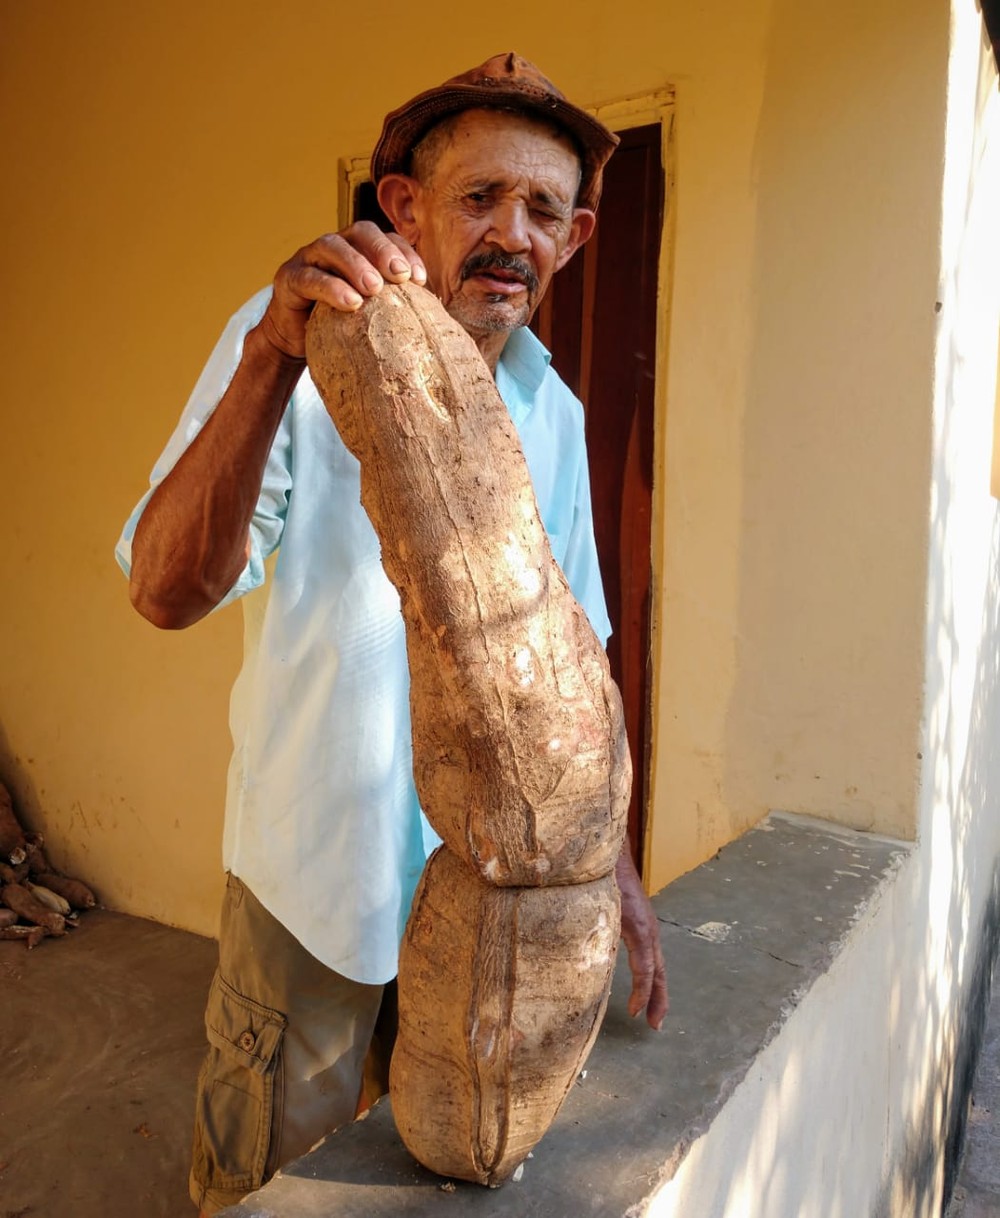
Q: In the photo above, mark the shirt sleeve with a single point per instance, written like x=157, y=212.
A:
x=269, y=514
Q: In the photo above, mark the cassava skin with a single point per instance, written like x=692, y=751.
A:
x=74, y=891
x=519, y=750
x=28, y=907
x=501, y=994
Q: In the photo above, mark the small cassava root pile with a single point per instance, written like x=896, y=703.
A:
x=35, y=899
x=519, y=750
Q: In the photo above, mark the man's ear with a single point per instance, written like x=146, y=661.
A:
x=581, y=229
x=397, y=193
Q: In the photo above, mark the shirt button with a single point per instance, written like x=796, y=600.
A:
x=247, y=1041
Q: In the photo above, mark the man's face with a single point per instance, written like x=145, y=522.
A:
x=495, y=218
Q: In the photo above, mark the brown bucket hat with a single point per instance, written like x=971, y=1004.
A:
x=505, y=82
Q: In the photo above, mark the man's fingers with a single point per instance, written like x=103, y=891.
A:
x=641, y=934
x=330, y=269
x=649, y=986
x=388, y=254
x=341, y=269
x=658, y=1002
x=395, y=258
x=642, y=984
x=304, y=284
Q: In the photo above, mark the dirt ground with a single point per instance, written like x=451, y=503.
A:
x=102, y=1037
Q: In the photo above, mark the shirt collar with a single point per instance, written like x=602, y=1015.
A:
x=525, y=359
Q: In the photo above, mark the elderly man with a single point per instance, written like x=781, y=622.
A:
x=491, y=182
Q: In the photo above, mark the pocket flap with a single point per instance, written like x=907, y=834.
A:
x=242, y=1027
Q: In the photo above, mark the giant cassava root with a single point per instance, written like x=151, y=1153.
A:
x=519, y=750
x=493, y=1031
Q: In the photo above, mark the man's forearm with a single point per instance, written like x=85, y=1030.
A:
x=192, y=539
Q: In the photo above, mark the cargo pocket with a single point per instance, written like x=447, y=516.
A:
x=236, y=1091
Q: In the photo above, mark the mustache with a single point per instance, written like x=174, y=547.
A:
x=495, y=261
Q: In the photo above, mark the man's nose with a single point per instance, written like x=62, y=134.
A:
x=509, y=226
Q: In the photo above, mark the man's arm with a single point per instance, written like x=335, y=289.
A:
x=641, y=936
x=191, y=542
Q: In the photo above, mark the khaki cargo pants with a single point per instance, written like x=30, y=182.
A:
x=292, y=1045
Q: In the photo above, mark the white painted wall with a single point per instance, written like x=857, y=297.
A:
x=807, y=1133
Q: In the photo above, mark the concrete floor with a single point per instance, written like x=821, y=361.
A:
x=102, y=1038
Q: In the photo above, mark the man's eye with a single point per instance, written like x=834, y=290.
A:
x=477, y=196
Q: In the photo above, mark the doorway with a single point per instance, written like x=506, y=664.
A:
x=599, y=321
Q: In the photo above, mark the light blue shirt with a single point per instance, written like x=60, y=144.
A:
x=322, y=820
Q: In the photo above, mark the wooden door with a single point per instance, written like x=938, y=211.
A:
x=599, y=321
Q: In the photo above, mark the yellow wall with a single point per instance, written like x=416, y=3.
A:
x=163, y=159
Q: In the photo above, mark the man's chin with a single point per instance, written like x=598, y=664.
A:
x=494, y=316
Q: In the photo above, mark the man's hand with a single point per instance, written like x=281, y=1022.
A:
x=641, y=934
x=340, y=269
x=191, y=543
